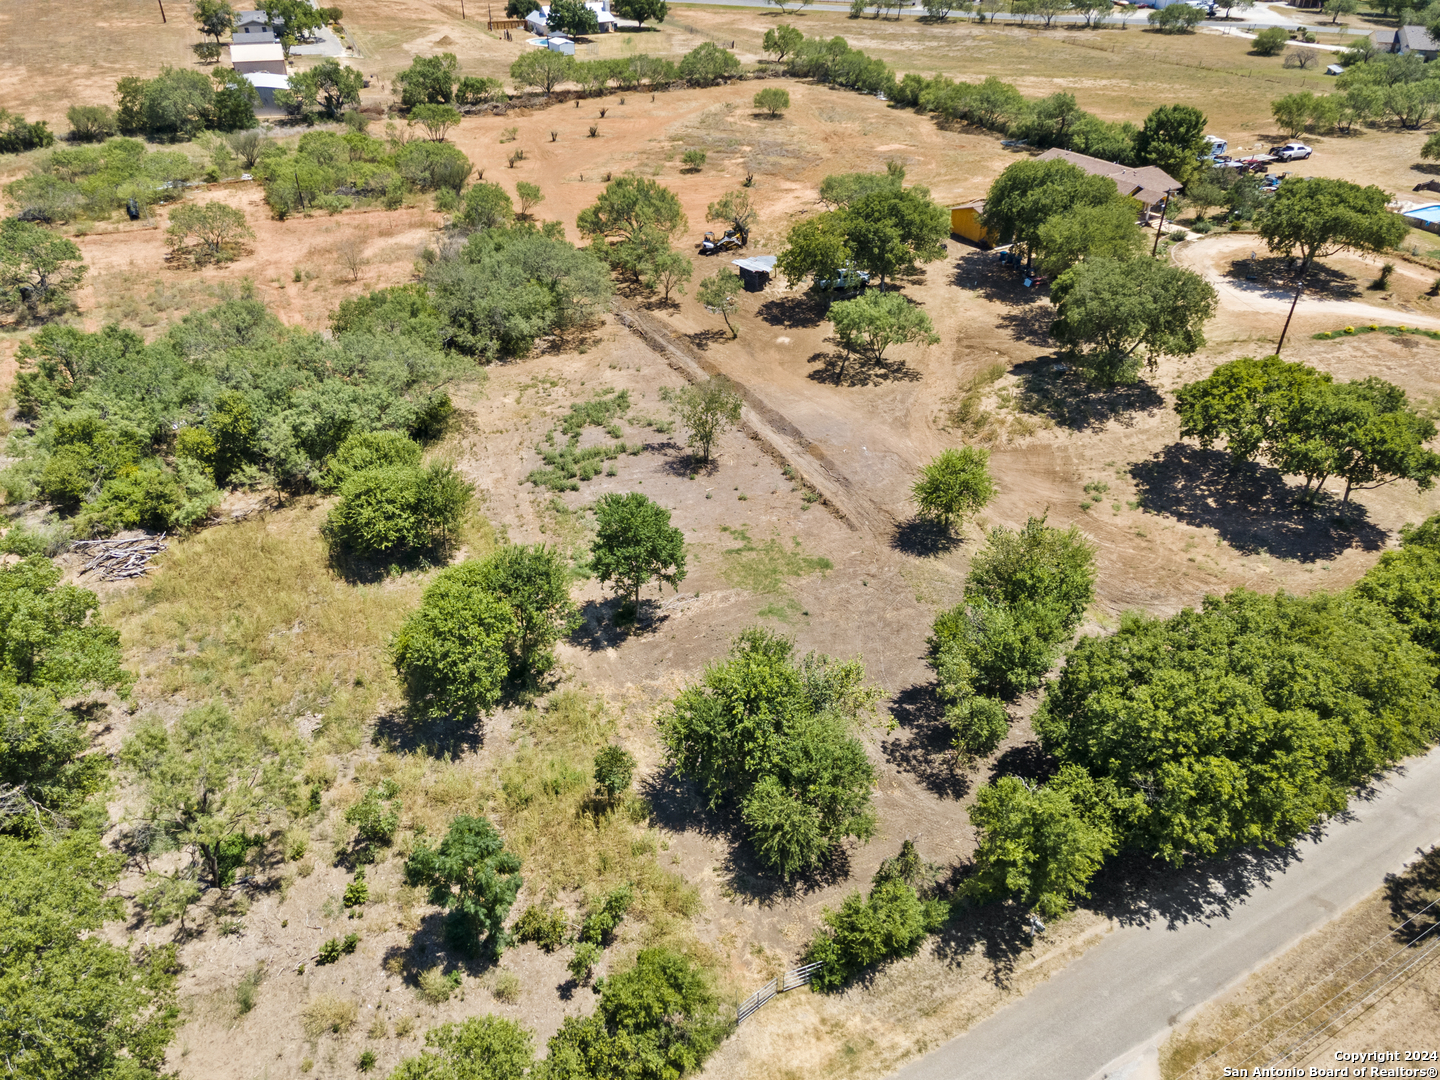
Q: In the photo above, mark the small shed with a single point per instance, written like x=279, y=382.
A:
x=755, y=271
x=266, y=84
x=965, y=222
x=253, y=59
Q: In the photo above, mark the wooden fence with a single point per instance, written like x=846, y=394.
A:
x=800, y=976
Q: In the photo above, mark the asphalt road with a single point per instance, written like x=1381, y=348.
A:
x=1126, y=991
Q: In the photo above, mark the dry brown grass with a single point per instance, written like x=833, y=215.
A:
x=1347, y=963
x=252, y=613
x=329, y=1014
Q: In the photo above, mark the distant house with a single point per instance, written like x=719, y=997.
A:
x=1406, y=40
x=1147, y=185
x=253, y=28
x=537, y=23
x=965, y=221
x=267, y=58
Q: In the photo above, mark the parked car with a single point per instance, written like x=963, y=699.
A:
x=1291, y=151
x=843, y=280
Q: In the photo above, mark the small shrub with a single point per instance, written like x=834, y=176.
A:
x=891, y=922
x=434, y=987
x=350, y=944
x=600, y=924
x=245, y=993
x=447, y=201
x=357, y=892
x=544, y=926
x=594, y=130
x=390, y=511
x=693, y=160
x=366, y=1062
x=506, y=987
x=582, y=964
x=404, y=1026
x=510, y=134
x=329, y=952
x=231, y=928
x=378, y=1029
x=328, y=1014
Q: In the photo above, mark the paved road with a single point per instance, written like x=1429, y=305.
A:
x=1127, y=990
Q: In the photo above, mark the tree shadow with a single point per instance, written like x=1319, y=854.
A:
x=359, y=569
x=922, y=743
x=1030, y=324
x=793, y=312
x=659, y=303
x=687, y=464
x=703, y=339
x=1070, y=401
x=995, y=281
x=1027, y=761
x=677, y=805
x=924, y=538
x=1411, y=896
x=840, y=368
x=602, y=624
x=1275, y=277
x=1250, y=505
x=449, y=738
x=434, y=944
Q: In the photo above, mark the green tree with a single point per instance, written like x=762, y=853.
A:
x=1106, y=310
x=542, y=69
x=487, y=206
x=1177, y=19
x=668, y=270
x=693, y=160
x=1406, y=583
x=430, y=80
x=1336, y=8
x=571, y=17
x=775, y=735
x=1270, y=42
x=890, y=232
x=773, y=100
x=479, y=1048
x=534, y=580
x=394, y=511
x=215, y=225
x=46, y=776
x=333, y=86
x=215, y=18
x=472, y=874
x=1243, y=723
x=782, y=39
x=90, y=123
x=707, y=410
x=1107, y=231
x=891, y=922
x=979, y=725
x=656, y=1021
x=874, y=321
x=845, y=189
x=1029, y=193
x=37, y=267
x=1316, y=217
x=1173, y=139
x=707, y=64
x=435, y=119
x=76, y=1006
x=815, y=246
x=635, y=544
x=1292, y=112
x=369, y=450
x=718, y=293
x=1036, y=844
x=518, y=9
x=530, y=196
x=642, y=11
x=630, y=205
x=1302, y=422
x=51, y=635
x=954, y=485
x=206, y=782
x=452, y=653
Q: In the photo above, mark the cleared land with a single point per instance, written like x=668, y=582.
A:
x=251, y=608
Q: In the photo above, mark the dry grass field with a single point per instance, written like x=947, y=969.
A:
x=250, y=610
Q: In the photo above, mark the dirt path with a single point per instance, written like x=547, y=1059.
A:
x=1206, y=257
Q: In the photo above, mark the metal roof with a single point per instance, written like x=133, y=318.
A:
x=759, y=264
x=259, y=51
x=1126, y=179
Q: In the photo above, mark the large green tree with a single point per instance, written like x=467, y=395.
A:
x=472, y=874
x=534, y=581
x=773, y=734
x=543, y=69
x=1107, y=231
x=330, y=85
x=429, y=80
x=630, y=205
x=37, y=267
x=707, y=64
x=1028, y=194
x=215, y=18
x=46, y=776
x=451, y=653
x=954, y=485
x=50, y=635
x=571, y=17
x=875, y=321
x=76, y=1007
x=642, y=11
x=635, y=544
x=1173, y=139
x=1312, y=218
x=1107, y=310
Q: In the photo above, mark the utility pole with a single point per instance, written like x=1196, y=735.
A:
x=162, y=10
x=1298, y=290
x=1155, y=250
